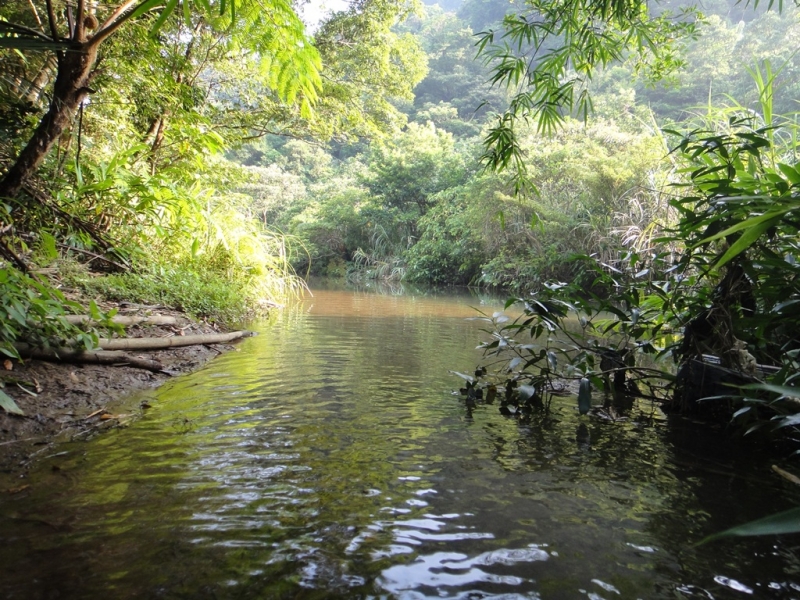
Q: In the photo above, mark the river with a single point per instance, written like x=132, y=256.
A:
x=328, y=458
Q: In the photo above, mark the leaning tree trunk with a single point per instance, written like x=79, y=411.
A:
x=70, y=88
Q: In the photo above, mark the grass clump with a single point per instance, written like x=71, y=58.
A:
x=201, y=293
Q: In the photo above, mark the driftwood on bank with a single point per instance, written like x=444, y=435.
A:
x=110, y=352
x=177, y=341
x=101, y=357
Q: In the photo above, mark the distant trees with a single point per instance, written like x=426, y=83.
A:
x=406, y=172
x=455, y=76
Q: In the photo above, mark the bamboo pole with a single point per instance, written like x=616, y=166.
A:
x=170, y=342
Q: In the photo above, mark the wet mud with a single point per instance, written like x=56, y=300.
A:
x=64, y=402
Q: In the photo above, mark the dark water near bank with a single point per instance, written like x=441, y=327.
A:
x=328, y=458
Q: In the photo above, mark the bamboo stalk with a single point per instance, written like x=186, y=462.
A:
x=170, y=342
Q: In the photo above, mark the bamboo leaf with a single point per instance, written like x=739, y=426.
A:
x=165, y=14
x=784, y=522
x=787, y=421
x=747, y=239
x=790, y=172
x=8, y=404
x=467, y=378
x=782, y=390
x=144, y=7
x=746, y=224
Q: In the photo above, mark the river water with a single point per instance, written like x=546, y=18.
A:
x=328, y=458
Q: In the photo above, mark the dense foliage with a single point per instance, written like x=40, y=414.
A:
x=114, y=122
x=710, y=281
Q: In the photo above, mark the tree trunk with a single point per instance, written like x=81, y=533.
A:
x=71, y=87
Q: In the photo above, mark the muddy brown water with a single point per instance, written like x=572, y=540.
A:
x=328, y=458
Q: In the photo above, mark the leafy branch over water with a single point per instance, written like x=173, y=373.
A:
x=723, y=282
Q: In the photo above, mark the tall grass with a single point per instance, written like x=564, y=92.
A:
x=192, y=246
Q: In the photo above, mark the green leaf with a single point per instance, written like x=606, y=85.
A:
x=146, y=6
x=747, y=239
x=94, y=311
x=783, y=390
x=791, y=173
x=785, y=522
x=468, y=378
x=789, y=421
x=48, y=245
x=18, y=313
x=779, y=307
x=746, y=224
x=165, y=14
x=8, y=404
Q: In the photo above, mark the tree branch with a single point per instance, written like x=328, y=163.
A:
x=21, y=29
x=114, y=22
x=51, y=18
x=36, y=14
x=80, y=27
x=10, y=256
x=113, y=17
x=125, y=321
x=119, y=266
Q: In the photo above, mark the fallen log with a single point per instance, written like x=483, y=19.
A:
x=126, y=321
x=102, y=357
x=110, y=352
x=170, y=342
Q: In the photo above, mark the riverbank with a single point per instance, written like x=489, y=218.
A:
x=64, y=402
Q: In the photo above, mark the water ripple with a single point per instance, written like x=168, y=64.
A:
x=328, y=457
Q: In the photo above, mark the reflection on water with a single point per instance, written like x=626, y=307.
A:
x=328, y=458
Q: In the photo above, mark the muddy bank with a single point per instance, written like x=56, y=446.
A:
x=64, y=402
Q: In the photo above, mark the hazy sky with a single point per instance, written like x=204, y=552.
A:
x=315, y=10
